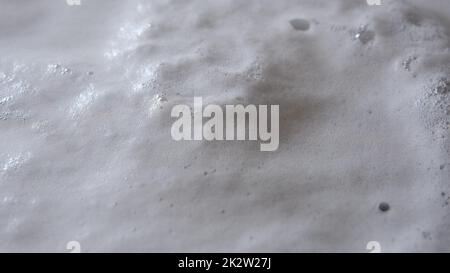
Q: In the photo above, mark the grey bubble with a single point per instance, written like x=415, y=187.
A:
x=364, y=35
x=300, y=24
x=384, y=207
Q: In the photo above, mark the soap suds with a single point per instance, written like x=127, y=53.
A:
x=86, y=153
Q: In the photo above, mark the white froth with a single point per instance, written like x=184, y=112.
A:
x=86, y=153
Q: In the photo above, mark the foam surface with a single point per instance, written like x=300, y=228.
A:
x=85, y=146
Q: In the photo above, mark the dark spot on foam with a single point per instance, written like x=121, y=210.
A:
x=384, y=207
x=413, y=18
x=426, y=235
x=300, y=24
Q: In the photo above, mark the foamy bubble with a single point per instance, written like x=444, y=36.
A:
x=364, y=35
x=15, y=162
x=83, y=101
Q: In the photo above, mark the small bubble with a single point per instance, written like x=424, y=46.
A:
x=384, y=207
x=300, y=24
x=364, y=35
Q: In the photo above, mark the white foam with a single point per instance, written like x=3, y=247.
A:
x=89, y=157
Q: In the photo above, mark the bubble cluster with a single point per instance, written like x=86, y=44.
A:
x=442, y=87
x=157, y=101
x=406, y=64
x=57, y=69
x=15, y=162
x=436, y=107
